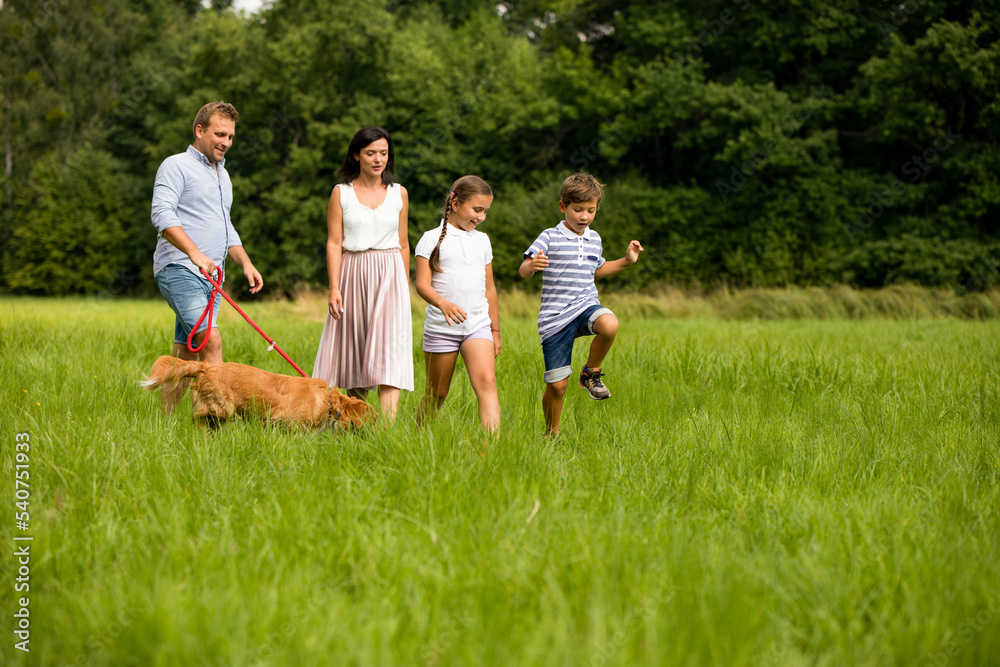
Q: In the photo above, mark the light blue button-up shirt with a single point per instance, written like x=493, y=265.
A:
x=190, y=193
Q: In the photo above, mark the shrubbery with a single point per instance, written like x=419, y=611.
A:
x=771, y=150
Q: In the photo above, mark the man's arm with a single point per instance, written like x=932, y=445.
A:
x=167, y=189
x=180, y=240
x=240, y=256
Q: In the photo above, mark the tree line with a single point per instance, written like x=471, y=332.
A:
x=744, y=142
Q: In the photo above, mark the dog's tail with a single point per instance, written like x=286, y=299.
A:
x=169, y=370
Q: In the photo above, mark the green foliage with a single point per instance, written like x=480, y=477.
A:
x=963, y=263
x=72, y=235
x=942, y=90
x=742, y=143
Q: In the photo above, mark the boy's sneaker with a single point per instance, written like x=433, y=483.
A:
x=590, y=379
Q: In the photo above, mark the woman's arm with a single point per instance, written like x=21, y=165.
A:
x=404, y=239
x=334, y=252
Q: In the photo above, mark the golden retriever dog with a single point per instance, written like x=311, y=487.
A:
x=220, y=391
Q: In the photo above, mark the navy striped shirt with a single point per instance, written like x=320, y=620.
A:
x=568, y=283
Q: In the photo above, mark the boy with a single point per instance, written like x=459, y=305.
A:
x=570, y=256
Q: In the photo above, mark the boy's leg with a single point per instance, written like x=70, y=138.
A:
x=605, y=329
x=604, y=326
x=440, y=367
x=558, y=352
x=552, y=404
x=481, y=364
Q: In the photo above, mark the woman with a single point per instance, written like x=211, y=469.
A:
x=367, y=339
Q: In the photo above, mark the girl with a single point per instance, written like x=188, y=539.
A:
x=368, y=333
x=455, y=278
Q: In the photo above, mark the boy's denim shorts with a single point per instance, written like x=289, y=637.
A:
x=558, y=348
x=187, y=294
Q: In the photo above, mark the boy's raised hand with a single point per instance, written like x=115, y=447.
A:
x=540, y=261
x=632, y=253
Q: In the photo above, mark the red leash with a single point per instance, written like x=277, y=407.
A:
x=217, y=289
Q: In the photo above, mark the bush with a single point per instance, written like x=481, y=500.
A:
x=966, y=265
x=69, y=234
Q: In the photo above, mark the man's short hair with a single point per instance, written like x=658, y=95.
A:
x=581, y=187
x=205, y=114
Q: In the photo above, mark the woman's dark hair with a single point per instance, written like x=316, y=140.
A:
x=352, y=168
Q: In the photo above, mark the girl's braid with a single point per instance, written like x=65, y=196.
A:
x=434, y=259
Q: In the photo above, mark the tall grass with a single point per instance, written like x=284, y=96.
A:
x=903, y=302
x=804, y=491
x=836, y=302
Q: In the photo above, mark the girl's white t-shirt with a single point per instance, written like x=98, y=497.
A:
x=462, y=279
x=371, y=228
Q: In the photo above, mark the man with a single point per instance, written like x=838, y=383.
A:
x=192, y=196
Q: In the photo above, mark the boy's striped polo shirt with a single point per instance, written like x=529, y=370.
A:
x=568, y=283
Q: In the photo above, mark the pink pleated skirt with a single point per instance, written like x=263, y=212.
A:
x=371, y=344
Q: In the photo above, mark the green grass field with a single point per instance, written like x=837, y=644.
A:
x=790, y=492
